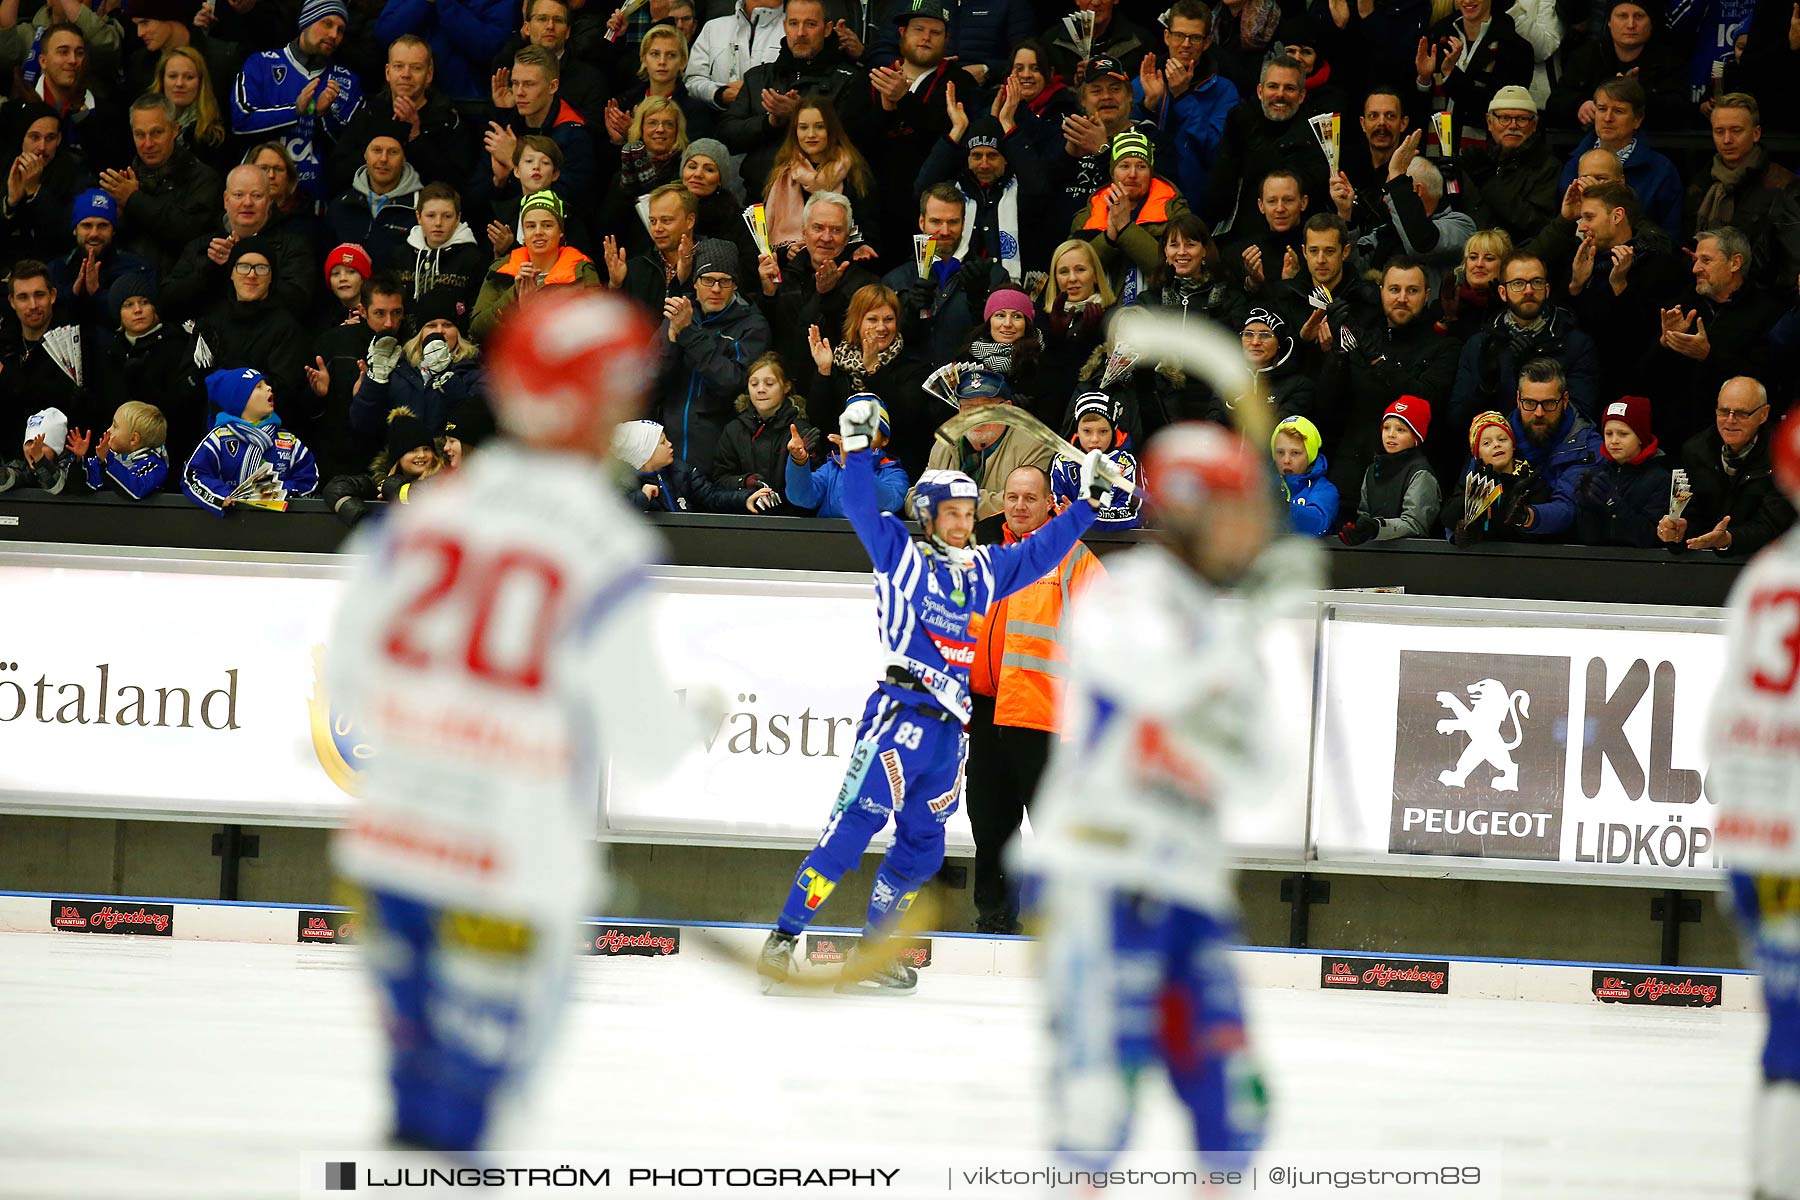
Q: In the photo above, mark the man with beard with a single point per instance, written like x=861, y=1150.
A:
x=1186, y=97
x=1559, y=444
x=1356, y=192
x=912, y=111
x=1115, y=37
x=1529, y=327
x=201, y=274
x=1623, y=273
x=1002, y=191
x=436, y=144
x=166, y=195
x=84, y=275
x=298, y=94
x=1085, y=165
x=1749, y=191
x=30, y=380
x=1510, y=183
x=1258, y=138
x=1720, y=330
x=810, y=64
x=1360, y=377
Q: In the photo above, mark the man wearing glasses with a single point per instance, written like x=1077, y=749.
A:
x=1513, y=177
x=1528, y=327
x=1186, y=96
x=1560, y=444
x=1736, y=509
x=200, y=277
x=709, y=342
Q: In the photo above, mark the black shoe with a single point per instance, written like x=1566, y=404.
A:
x=777, y=959
x=892, y=978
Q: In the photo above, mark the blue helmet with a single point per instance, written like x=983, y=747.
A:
x=935, y=487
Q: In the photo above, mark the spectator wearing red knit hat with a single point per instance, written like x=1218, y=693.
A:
x=1619, y=501
x=1400, y=496
x=347, y=268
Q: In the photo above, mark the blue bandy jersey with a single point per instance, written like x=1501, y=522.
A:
x=137, y=474
x=926, y=603
x=262, y=104
x=232, y=452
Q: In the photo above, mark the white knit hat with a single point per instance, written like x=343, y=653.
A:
x=634, y=442
x=53, y=425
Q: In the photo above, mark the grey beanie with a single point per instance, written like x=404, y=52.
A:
x=714, y=149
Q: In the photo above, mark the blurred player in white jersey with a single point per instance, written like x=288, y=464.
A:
x=495, y=642
x=1753, y=751
x=1165, y=725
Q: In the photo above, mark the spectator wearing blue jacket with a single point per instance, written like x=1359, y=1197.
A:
x=1560, y=444
x=1312, y=498
x=821, y=488
x=462, y=34
x=246, y=436
x=1618, y=126
x=1186, y=96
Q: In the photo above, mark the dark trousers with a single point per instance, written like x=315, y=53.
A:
x=1005, y=763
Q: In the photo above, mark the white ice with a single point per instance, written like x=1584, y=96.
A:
x=140, y=1069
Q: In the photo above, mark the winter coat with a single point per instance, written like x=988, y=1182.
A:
x=1137, y=256
x=702, y=376
x=1619, y=504
x=572, y=268
x=196, y=285
x=1487, y=376
x=984, y=205
x=1759, y=512
x=989, y=468
x=1435, y=239
x=1523, y=488
x=1253, y=146
x=462, y=35
x=1659, y=67
x=686, y=488
x=1352, y=392
x=158, y=368
x=39, y=227
x=726, y=47
x=913, y=415
x=1573, y=448
x=1401, y=493
x=797, y=305
x=1193, y=126
x=456, y=386
x=1648, y=173
x=1626, y=324
x=753, y=450
x=745, y=127
x=379, y=224
x=1766, y=210
x=821, y=488
x=458, y=266
x=255, y=333
x=984, y=32
x=174, y=204
x=938, y=312
x=444, y=151
x=1124, y=40
x=1683, y=390
x=89, y=310
x=570, y=131
x=1516, y=192
x=1312, y=500
x=1501, y=58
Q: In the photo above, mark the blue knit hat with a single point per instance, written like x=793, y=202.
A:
x=314, y=11
x=229, y=391
x=94, y=203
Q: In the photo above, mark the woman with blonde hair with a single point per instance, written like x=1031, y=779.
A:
x=816, y=156
x=181, y=75
x=1075, y=303
x=872, y=356
x=1471, y=293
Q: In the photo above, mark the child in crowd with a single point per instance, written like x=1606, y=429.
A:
x=1400, y=496
x=46, y=460
x=442, y=250
x=821, y=488
x=666, y=484
x=347, y=268
x=1619, y=502
x=246, y=436
x=133, y=453
x=412, y=454
x=1097, y=428
x=1312, y=498
x=1493, y=460
x=754, y=447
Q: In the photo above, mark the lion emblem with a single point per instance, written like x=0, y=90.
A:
x=1488, y=710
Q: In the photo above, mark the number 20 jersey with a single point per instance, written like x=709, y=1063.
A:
x=495, y=643
x=1753, y=732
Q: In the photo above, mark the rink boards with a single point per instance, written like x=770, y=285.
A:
x=1603, y=984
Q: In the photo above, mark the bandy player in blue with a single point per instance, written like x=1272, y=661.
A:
x=908, y=760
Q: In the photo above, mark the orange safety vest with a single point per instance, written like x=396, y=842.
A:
x=1155, y=209
x=1019, y=659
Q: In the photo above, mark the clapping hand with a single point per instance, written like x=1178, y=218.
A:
x=820, y=348
x=318, y=376
x=614, y=254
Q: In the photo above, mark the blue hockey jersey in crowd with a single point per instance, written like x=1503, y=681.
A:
x=137, y=474
x=1120, y=509
x=233, y=451
x=262, y=105
x=925, y=602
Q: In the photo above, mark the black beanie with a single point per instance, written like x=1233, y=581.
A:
x=405, y=433
x=443, y=304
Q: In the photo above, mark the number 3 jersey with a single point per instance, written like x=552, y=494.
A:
x=1753, y=731
x=495, y=643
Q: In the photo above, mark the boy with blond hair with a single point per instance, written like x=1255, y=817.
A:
x=133, y=453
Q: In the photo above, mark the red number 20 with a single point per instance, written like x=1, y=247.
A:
x=473, y=584
x=1781, y=606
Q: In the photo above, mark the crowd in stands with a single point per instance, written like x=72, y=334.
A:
x=1522, y=273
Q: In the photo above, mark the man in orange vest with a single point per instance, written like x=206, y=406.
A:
x=1016, y=685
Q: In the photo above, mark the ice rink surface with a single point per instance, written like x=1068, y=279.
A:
x=136, y=1069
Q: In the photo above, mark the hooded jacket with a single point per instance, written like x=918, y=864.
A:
x=1312, y=499
x=821, y=488
x=1572, y=450
x=753, y=450
x=379, y=224
x=457, y=266
x=572, y=268
x=702, y=376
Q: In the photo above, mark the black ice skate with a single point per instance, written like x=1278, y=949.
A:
x=777, y=959
x=890, y=978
